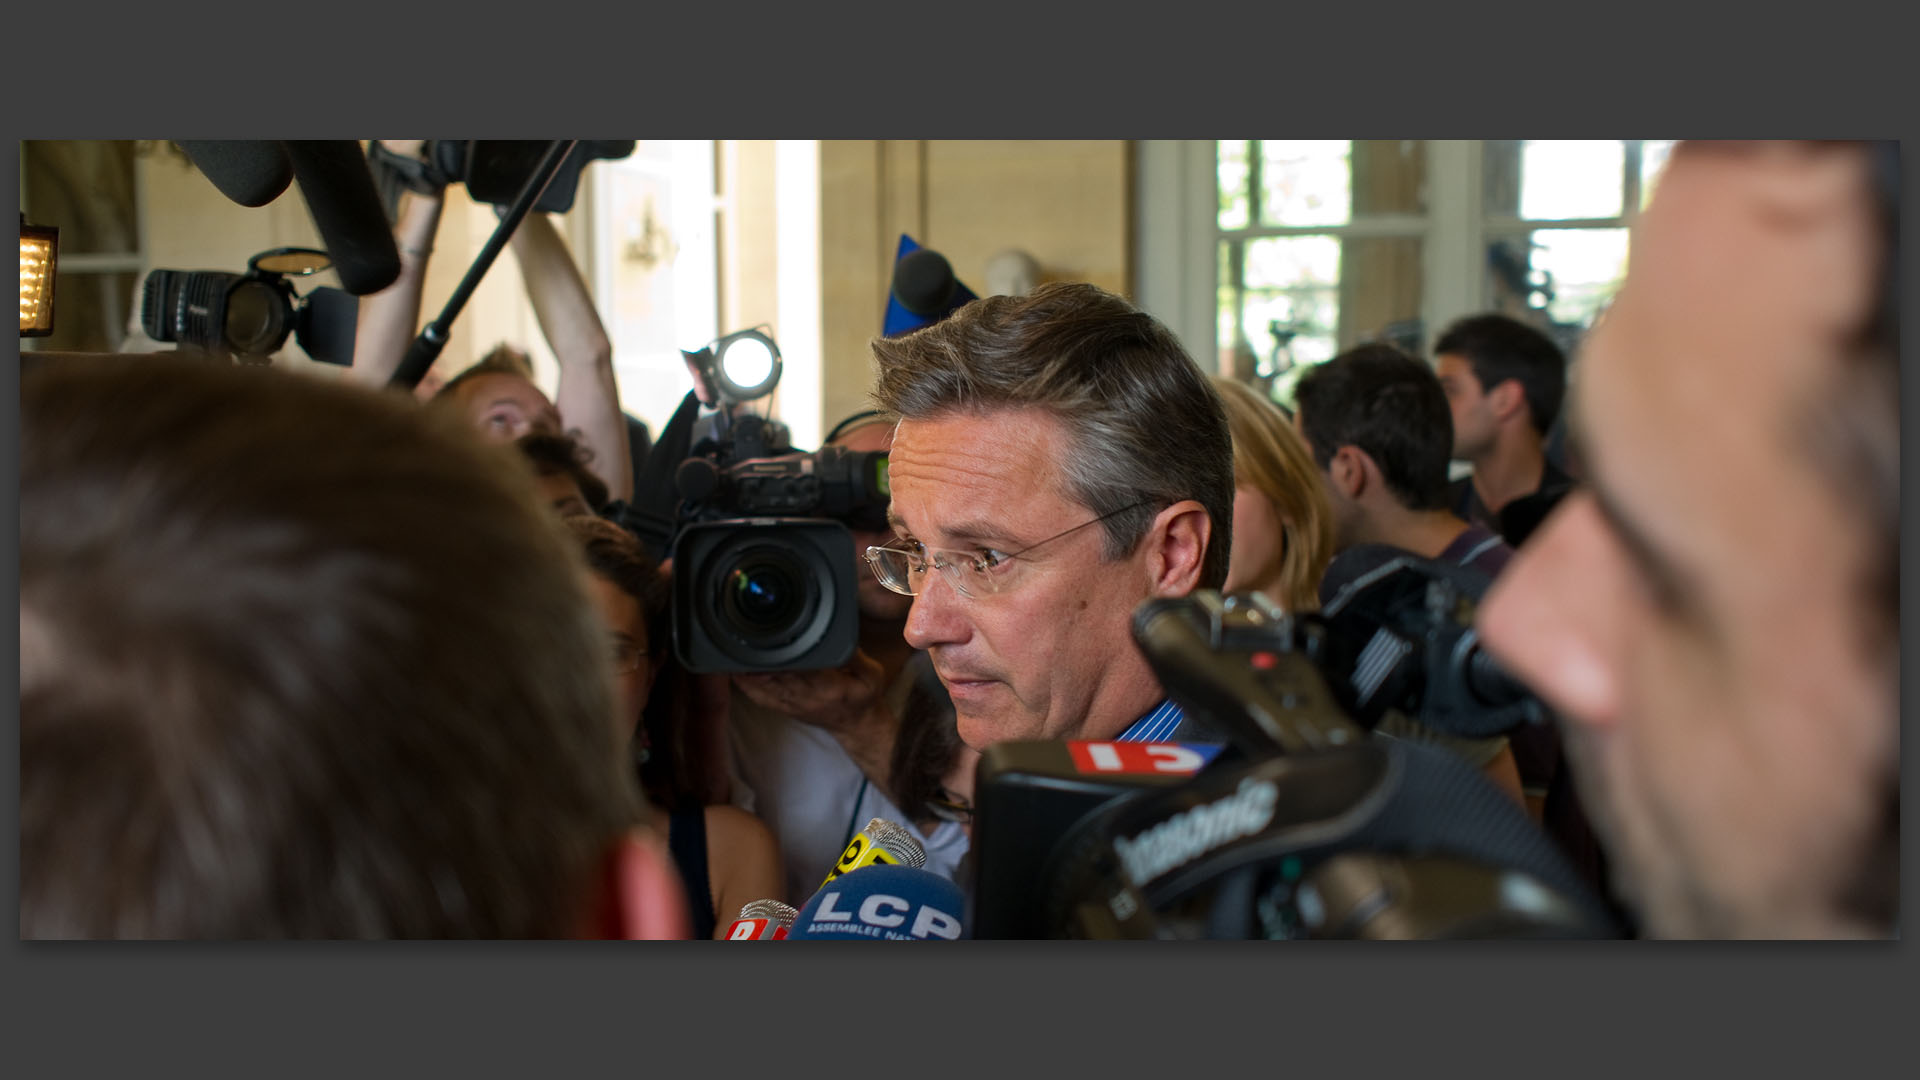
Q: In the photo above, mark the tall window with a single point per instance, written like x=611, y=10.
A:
x=1322, y=245
x=1556, y=223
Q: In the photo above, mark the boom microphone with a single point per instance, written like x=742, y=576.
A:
x=346, y=209
x=762, y=920
x=880, y=842
x=251, y=172
x=883, y=903
x=923, y=290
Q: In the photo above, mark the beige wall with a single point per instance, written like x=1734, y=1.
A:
x=1068, y=204
x=749, y=291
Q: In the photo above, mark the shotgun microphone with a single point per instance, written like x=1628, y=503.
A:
x=346, y=209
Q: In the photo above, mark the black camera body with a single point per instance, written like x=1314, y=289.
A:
x=849, y=486
x=1296, y=821
x=251, y=315
x=764, y=565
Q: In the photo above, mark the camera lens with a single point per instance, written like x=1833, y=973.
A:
x=255, y=318
x=766, y=595
x=761, y=595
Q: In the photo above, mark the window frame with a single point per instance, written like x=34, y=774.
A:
x=1180, y=237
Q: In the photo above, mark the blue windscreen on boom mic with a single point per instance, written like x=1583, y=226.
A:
x=924, y=289
x=883, y=903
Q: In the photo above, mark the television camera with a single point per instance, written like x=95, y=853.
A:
x=249, y=316
x=763, y=562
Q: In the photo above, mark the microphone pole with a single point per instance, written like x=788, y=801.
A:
x=426, y=348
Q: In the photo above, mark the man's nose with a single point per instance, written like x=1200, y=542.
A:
x=1556, y=615
x=938, y=615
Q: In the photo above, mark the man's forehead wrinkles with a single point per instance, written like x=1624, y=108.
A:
x=919, y=455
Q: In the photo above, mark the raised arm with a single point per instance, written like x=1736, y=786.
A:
x=390, y=319
x=588, y=398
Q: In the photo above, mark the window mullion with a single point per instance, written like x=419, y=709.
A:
x=1630, y=183
x=1454, y=252
x=1254, y=154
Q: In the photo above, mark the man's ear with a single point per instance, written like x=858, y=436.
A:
x=641, y=897
x=1508, y=399
x=1177, y=547
x=1350, y=471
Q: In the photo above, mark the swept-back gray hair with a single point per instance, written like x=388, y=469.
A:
x=1146, y=425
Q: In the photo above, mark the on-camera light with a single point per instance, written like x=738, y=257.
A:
x=746, y=364
x=39, y=257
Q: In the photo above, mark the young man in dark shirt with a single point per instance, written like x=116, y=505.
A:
x=1503, y=381
x=1379, y=428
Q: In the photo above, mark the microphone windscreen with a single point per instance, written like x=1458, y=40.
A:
x=897, y=841
x=346, y=209
x=883, y=903
x=769, y=909
x=762, y=920
x=923, y=290
x=251, y=172
x=924, y=282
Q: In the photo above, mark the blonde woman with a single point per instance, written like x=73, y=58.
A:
x=1282, y=522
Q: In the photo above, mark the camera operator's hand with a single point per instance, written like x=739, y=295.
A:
x=848, y=702
x=407, y=160
x=402, y=147
x=831, y=698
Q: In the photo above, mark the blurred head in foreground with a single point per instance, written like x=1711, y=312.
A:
x=298, y=660
x=1716, y=614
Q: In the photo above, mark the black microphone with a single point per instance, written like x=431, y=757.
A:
x=346, y=209
x=251, y=172
x=924, y=284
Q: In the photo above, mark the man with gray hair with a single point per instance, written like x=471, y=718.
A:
x=1025, y=423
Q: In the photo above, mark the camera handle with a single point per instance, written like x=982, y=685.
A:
x=426, y=348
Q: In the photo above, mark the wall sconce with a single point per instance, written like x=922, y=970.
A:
x=39, y=256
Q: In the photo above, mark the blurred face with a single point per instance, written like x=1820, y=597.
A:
x=1259, y=543
x=1474, y=425
x=1051, y=655
x=1695, y=614
x=877, y=602
x=504, y=407
x=626, y=625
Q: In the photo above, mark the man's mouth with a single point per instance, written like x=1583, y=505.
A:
x=964, y=683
